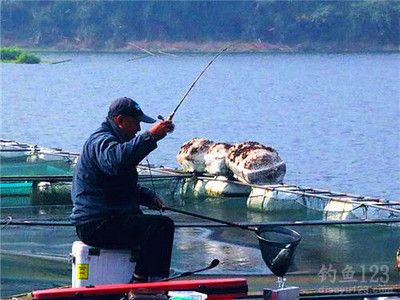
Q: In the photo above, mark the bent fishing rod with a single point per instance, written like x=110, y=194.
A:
x=171, y=116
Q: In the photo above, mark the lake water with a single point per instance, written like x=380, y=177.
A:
x=334, y=119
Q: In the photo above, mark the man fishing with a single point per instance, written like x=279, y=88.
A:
x=106, y=195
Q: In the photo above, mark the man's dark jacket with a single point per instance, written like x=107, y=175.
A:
x=105, y=177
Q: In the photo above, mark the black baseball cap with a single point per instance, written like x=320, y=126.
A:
x=127, y=107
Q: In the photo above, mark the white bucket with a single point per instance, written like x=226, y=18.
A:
x=92, y=266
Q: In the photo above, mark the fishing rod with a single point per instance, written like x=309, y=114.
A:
x=212, y=265
x=9, y=221
x=171, y=116
x=254, y=226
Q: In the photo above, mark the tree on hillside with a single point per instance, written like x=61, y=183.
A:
x=110, y=24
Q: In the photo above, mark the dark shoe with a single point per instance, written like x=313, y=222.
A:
x=156, y=278
x=135, y=279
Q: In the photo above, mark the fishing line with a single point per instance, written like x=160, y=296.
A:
x=151, y=176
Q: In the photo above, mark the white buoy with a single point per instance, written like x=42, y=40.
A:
x=262, y=199
x=213, y=187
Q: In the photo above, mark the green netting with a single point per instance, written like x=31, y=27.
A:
x=37, y=168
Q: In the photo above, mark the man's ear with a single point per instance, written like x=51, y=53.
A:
x=118, y=120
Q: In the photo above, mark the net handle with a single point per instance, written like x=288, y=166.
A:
x=210, y=219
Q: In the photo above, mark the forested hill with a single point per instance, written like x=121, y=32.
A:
x=302, y=25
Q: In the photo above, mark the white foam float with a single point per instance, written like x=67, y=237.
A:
x=213, y=187
x=333, y=208
x=262, y=199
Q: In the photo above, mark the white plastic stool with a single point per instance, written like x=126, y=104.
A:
x=92, y=266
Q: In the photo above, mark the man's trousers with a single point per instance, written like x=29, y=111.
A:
x=152, y=234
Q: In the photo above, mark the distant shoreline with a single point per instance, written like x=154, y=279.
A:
x=161, y=47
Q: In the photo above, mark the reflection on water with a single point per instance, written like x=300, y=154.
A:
x=21, y=273
x=199, y=246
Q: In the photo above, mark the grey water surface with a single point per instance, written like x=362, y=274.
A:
x=334, y=119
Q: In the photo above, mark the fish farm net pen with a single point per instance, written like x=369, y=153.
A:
x=11, y=222
x=68, y=178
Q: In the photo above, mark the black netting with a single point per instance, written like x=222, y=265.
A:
x=277, y=245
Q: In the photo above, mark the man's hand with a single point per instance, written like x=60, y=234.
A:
x=160, y=130
x=156, y=203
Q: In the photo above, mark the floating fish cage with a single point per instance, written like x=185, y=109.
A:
x=333, y=205
x=13, y=152
x=169, y=182
x=285, y=197
x=53, y=184
x=35, y=174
